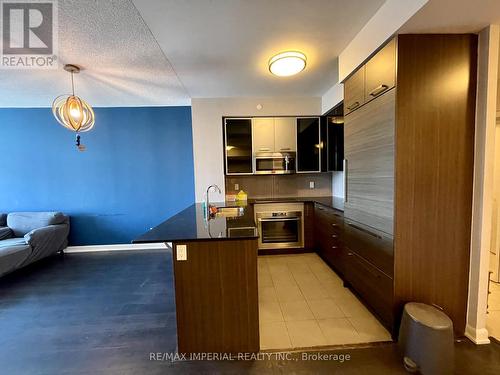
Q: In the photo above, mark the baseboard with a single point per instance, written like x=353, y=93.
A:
x=119, y=247
x=477, y=336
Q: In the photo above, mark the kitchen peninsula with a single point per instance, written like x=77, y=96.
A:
x=215, y=271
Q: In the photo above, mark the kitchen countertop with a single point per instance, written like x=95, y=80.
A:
x=190, y=225
x=331, y=202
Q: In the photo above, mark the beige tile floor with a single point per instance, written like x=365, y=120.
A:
x=302, y=303
x=493, y=320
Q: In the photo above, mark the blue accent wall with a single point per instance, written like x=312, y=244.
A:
x=137, y=170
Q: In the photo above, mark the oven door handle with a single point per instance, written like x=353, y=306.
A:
x=281, y=219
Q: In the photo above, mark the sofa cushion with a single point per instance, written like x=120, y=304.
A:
x=11, y=257
x=5, y=232
x=3, y=220
x=24, y=222
x=12, y=242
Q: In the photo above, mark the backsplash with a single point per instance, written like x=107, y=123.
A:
x=279, y=186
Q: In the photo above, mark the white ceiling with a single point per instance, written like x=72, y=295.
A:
x=454, y=16
x=163, y=52
x=124, y=66
x=220, y=48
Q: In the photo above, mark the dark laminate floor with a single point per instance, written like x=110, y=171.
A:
x=103, y=313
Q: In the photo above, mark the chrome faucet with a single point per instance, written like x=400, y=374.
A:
x=207, y=202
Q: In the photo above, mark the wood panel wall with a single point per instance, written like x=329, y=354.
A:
x=216, y=297
x=369, y=154
x=435, y=116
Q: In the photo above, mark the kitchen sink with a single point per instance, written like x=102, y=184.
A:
x=230, y=211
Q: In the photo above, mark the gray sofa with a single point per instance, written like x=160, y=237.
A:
x=26, y=237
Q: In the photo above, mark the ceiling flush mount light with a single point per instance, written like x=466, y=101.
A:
x=73, y=112
x=287, y=64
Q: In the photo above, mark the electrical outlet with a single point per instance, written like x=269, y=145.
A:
x=311, y=184
x=236, y=187
x=182, y=252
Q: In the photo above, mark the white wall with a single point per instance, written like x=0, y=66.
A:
x=332, y=97
x=495, y=219
x=338, y=184
x=207, y=130
x=483, y=183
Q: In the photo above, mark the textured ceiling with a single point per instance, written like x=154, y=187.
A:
x=124, y=66
x=220, y=48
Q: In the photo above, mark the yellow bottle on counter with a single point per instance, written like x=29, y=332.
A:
x=241, y=196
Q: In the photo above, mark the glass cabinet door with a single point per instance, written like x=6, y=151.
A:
x=238, y=135
x=308, y=144
x=335, y=143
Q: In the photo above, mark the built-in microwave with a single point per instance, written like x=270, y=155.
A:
x=274, y=162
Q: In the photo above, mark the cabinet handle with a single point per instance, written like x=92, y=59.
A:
x=335, y=225
x=334, y=236
x=264, y=149
x=335, y=247
x=353, y=106
x=378, y=90
x=365, y=230
x=285, y=149
x=350, y=254
x=345, y=180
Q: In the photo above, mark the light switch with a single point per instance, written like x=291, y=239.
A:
x=236, y=187
x=182, y=252
x=311, y=184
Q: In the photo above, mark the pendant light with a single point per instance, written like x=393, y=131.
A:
x=73, y=112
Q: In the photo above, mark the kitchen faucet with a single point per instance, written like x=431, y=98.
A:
x=207, y=202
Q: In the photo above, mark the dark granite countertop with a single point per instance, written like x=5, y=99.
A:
x=331, y=202
x=190, y=225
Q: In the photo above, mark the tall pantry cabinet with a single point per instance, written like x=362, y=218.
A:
x=409, y=150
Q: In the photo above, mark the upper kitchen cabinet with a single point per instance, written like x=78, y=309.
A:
x=285, y=134
x=335, y=139
x=380, y=71
x=263, y=134
x=354, y=91
x=308, y=144
x=274, y=134
x=238, y=147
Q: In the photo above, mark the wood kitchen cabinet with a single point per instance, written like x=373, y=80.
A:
x=354, y=91
x=369, y=167
x=309, y=225
x=285, y=134
x=409, y=153
x=274, y=134
x=380, y=72
x=308, y=144
x=263, y=134
x=329, y=238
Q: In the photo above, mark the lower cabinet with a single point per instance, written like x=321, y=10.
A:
x=363, y=257
x=328, y=234
x=372, y=285
x=309, y=234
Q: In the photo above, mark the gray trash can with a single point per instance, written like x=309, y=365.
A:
x=426, y=340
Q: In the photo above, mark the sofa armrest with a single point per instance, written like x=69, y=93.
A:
x=5, y=232
x=49, y=237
